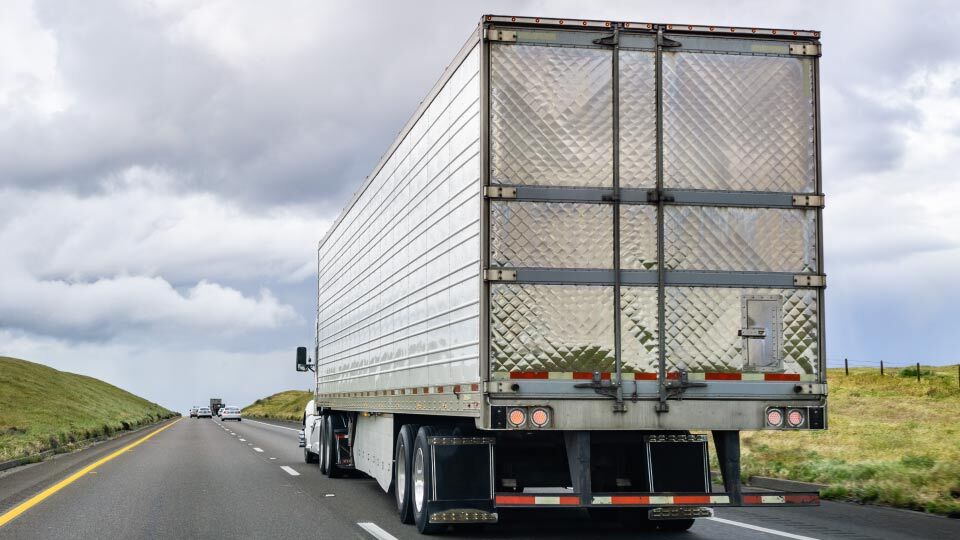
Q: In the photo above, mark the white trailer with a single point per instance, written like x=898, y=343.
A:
x=593, y=242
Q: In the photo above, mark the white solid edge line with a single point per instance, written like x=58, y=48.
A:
x=255, y=449
x=376, y=531
x=289, y=470
x=761, y=529
x=271, y=425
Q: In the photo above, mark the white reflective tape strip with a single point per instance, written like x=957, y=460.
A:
x=697, y=376
x=500, y=375
x=375, y=530
x=289, y=470
x=719, y=499
x=773, y=499
x=752, y=377
x=603, y=500
x=546, y=500
x=808, y=377
x=660, y=499
x=761, y=529
x=560, y=375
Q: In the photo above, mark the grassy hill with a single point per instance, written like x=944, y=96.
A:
x=891, y=440
x=43, y=409
x=281, y=406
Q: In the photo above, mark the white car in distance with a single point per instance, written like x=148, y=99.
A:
x=230, y=413
x=204, y=412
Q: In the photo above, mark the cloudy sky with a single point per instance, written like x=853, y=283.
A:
x=167, y=167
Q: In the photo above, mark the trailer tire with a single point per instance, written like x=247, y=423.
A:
x=421, y=477
x=402, y=459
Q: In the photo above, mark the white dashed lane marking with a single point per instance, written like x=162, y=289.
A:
x=255, y=449
x=290, y=470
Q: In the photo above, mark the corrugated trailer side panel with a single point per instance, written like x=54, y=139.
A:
x=399, y=272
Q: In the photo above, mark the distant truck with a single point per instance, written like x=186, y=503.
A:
x=215, y=405
x=593, y=241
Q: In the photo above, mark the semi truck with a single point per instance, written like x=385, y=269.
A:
x=594, y=250
x=215, y=405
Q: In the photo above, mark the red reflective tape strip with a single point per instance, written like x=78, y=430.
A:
x=691, y=499
x=673, y=375
x=474, y=387
x=781, y=377
x=570, y=500
x=630, y=499
x=529, y=374
x=589, y=375
x=722, y=376
x=515, y=499
x=644, y=376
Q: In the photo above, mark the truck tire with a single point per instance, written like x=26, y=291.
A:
x=402, y=459
x=422, y=477
x=330, y=448
x=322, y=444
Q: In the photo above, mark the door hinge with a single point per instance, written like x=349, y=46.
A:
x=810, y=280
x=499, y=192
x=809, y=201
x=805, y=49
x=500, y=274
x=496, y=34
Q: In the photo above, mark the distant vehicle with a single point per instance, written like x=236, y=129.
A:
x=594, y=242
x=230, y=413
x=220, y=411
x=193, y=411
x=215, y=405
x=204, y=412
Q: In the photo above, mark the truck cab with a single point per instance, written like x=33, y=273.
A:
x=310, y=436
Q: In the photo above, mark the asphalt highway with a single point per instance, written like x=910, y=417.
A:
x=211, y=479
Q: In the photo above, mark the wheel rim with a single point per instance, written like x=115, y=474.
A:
x=419, y=484
x=401, y=474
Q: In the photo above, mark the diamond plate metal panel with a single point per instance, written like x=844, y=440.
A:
x=638, y=328
x=551, y=328
x=738, y=122
x=551, y=116
x=703, y=324
x=740, y=239
x=638, y=119
x=638, y=237
x=551, y=235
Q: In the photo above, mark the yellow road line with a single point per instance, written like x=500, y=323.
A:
x=40, y=497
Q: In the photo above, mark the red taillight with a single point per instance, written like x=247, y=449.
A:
x=517, y=417
x=795, y=417
x=775, y=417
x=540, y=417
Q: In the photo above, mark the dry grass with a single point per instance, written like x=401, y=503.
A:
x=891, y=440
x=287, y=405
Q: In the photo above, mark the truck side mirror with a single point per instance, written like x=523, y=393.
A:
x=301, y=359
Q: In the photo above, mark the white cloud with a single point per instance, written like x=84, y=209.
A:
x=29, y=74
x=138, y=257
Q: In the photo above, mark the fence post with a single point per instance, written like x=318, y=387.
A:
x=846, y=367
x=918, y=371
x=881, y=368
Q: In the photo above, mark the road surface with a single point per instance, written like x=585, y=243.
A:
x=200, y=478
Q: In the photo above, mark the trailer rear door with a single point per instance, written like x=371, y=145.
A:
x=653, y=209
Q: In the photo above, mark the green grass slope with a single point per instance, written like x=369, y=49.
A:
x=281, y=406
x=890, y=440
x=43, y=409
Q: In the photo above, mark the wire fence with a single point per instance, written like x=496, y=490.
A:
x=888, y=367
